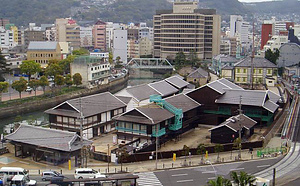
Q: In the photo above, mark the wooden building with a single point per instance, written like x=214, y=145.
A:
x=228, y=131
x=43, y=144
x=97, y=111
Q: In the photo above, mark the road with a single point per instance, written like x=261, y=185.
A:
x=201, y=175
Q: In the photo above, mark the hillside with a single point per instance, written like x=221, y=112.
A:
x=282, y=7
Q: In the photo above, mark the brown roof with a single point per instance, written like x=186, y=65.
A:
x=235, y=122
x=90, y=105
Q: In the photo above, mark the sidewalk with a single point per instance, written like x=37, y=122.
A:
x=35, y=168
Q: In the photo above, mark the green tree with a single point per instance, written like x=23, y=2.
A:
x=19, y=85
x=34, y=84
x=220, y=181
x=59, y=80
x=3, y=67
x=30, y=67
x=242, y=179
x=185, y=151
x=193, y=58
x=65, y=64
x=201, y=151
x=3, y=88
x=43, y=82
x=122, y=155
x=180, y=60
x=237, y=144
x=68, y=80
x=81, y=52
x=110, y=58
x=77, y=79
x=272, y=56
x=53, y=69
x=218, y=148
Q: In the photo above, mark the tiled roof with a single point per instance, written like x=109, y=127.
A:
x=199, y=73
x=181, y=101
x=235, y=122
x=125, y=99
x=42, y=45
x=90, y=105
x=141, y=92
x=177, y=82
x=47, y=138
x=273, y=96
x=163, y=88
x=257, y=63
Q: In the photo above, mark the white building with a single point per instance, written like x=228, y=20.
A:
x=86, y=36
x=275, y=42
x=240, y=29
x=235, y=24
x=120, y=45
x=94, y=70
x=6, y=39
x=104, y=55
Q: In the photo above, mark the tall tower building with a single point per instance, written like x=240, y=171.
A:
x=188, y=29
x=67, y=30
x=99, y=35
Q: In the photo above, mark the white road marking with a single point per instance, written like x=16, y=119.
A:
x=211, y=178
x=237, y=169
x=260, y=166
x=181, y=181
x=180, y=175
x=209, y=172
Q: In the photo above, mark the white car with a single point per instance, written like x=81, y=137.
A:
x=28, y=89
x=81, y=173
x=22, y=180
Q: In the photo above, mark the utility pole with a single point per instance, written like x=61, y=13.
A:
x=81, y=133
x=108, y=152
x=274, y=176
x=156, y=146
x=240, y=130
x=252, y=57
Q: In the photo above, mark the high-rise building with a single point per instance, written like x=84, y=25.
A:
x=86, y=37
x=266, y=34
x=120, y=45
x=67, y=30
x=99, y=35
x=187, y=29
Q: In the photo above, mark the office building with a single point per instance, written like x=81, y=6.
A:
x=67, y=30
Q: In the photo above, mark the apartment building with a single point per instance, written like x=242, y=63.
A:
x=186, y=28
x=99, y=34
x=67, y=30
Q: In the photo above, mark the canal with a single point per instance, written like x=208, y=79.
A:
x=40, y=118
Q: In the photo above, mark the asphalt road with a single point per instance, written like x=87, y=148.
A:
x=201, y=175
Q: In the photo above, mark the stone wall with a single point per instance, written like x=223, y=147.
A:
x=33, y=106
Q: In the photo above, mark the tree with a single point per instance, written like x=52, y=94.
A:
x=201, y=151
x=220, y=181
x=272, y=56
x=53, y=69
x=68, y=80
x=110, y=57
x=77, y=79
x=30, y=67
x=65, y=63
x=242, y=179
x=3, y=67
x=81, y=52
x=193, y=58
x=43, y=82
x=59, y=80
x=122, y=155
x=34, y=84
x=19, y=85
x=185, y=151
x=3, y=88
x=218, y=148
x=237, y=144
x=180, y=60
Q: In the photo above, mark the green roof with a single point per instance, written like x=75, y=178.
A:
x=87, y=59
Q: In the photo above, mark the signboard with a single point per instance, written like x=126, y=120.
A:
x=115, y=139
x=113, y=157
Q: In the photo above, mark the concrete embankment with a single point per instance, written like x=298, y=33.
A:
x=47, y=103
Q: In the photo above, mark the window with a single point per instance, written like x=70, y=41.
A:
x=128, y=126
x=121, y=124
x=143, y=128
x=71, y=120
x=260, y=71
x=269, y=71
x=244, y=79
x=136, y=127
x=65, y=119
x=95, y=118
x=59, y=119
x=237, y=79
x=245, y=70
x=238, y=70
x=90, y=119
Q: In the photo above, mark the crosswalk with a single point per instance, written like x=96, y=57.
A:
x=148, y=179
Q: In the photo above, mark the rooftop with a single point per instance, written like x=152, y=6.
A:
x=42, y=45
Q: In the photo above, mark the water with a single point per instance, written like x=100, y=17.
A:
x=41, y=117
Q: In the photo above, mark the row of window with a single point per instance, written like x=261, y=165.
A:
x=42, y=55
x=181, y=17
x=181, y=45
x=182, y=21
x=182, y=49
x=99, y=67
x=255, y=71
x=181, y=26
x=132, y=126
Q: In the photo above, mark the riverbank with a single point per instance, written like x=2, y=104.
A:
x=43, y=104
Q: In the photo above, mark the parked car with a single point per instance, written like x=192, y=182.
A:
x=48, y=175
x=21, y=180
x=81, y=173
x=28, y=89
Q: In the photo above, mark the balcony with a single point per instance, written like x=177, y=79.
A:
x=159, y=132
x=121, y=129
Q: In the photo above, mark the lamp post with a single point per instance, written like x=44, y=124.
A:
x=207, y=161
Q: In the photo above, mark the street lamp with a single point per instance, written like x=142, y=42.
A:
x=207, y=161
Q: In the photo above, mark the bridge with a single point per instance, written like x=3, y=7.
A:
x=149, y=63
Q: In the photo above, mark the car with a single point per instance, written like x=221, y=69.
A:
x=48, y=175
x=82, y=173
x=28, y=89
x=21, y=180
